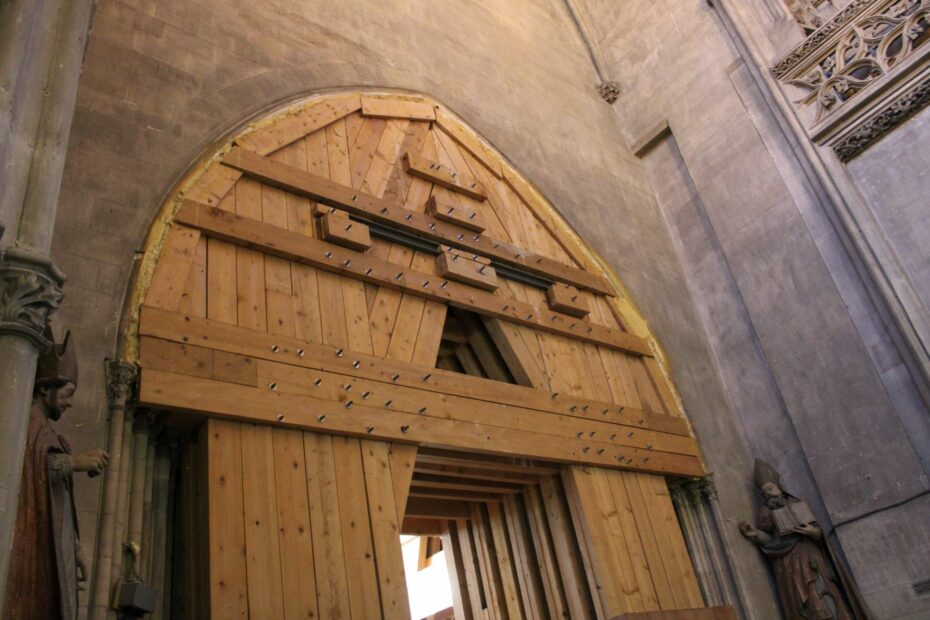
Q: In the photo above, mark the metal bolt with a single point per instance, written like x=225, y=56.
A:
x=395, y=378
x=349, y=227
x=339, y=352
x=280, y=417
x=321, y=418
x=300, y=352
x=368, y=271
x=273, y=385
x=317, y=382
x=349, y=404
x=404, y=428
x=346, y=262
x=356, y=364
x=370, y=430
x=354, y=196
x=600, y=451
x=365, y=395
x=328, y=254
x=427, y=376
x=387, y=403
x=274, y=348
x=422, y=410
x=347, y=387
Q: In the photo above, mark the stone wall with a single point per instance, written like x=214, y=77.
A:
x=814, y=378
x=162, y=80
x=719, y=229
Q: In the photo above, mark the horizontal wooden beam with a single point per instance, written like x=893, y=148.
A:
x=467, y=473
x=270, y=239
x=434, y=481
x=445, y=494
x=184, y=328
x=436, y=509
x=172, y=391
x=418, y=526
x=320, y=189
x=419, y=166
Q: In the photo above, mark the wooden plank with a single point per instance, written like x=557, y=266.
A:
x=294, y=529
x=678, y=564
x=326, y=527
x=520, y=362
x=194, y=298
x=647, y=536
x=487, y=567
x=261, y=523
x=433, y=172
x=545, y=553
x=455, y=213
x=461, y=602
x=183, y=328
x=418, y=526
x=708, y=613
x=428, y=509
x=567, y=300
x=356, y=529
x=448, y=494
x=385, y=529
x=294, y=126
x=402, y=459
x=526, y=564
x=505, y=564
x=578, y=581
x=470, y=142
x=395, y=107
x=229, y=593
x=438, y=481
x=173, y=268
x=359, y=203
x=469, y=554
x=332, y=258
x=456, y=267
x=214, y=185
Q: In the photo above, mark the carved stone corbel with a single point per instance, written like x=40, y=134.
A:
x=121, y=382
x=30, y=290
x=609, y=91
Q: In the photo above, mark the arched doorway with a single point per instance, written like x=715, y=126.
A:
x=292, y=311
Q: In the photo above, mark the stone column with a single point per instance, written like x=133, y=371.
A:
x=41, y=50
x=695, y=504
x=121, y=381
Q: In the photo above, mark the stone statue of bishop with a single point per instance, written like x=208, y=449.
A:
x=46, y=563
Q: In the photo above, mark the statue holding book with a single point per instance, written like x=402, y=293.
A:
x=812, y=584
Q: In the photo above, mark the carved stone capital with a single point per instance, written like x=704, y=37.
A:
x=609, y=91
x=30, y=290
x=121, y=381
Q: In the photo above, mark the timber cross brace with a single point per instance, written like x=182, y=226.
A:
x=369, y=318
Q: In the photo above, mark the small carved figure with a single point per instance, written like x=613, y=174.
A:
x=811, y=584
x=805, y=13
x=47, y=563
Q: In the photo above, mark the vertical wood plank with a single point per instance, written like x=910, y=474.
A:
x=504, y=561
x=229, y=595
x=545, y=552
x=461, y=601
x=528, y=567
x=402, y=459
x=261, y=523
x=385, y=529
x=356, y=529
x=298, y=575
x=326, y=527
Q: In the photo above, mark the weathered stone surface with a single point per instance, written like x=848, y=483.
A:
x=776, y=347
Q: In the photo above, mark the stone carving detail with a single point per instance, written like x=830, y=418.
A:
x=30, y=290
x=868, y=50
x=47, y=563
x=810, y=581
x=878, y=46
x=888, y=119
x=805, y=13
x=609, y=91
x=821, y=35
x=121, y=381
